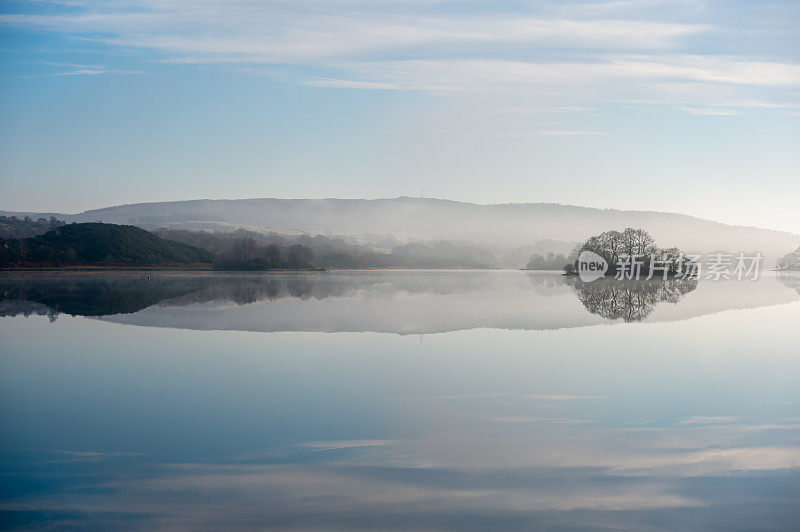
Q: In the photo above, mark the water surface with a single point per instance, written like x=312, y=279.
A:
x=468, y=400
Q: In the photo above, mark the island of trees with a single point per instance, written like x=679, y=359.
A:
x=790, y=261
x=635, y=245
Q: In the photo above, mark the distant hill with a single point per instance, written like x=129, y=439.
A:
x=100, y=244
x=422, y=218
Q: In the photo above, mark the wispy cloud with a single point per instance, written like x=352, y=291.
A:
x=87, y=456
x=76, y=69
x=711, y=111
x=535, y=419
x=271, y=32
x=565, y=132
x=709, y=420
x=95, y=72
x=565, y=397
x=534, y=397
x=640, y=73
x=567, y=55
x=317, y=446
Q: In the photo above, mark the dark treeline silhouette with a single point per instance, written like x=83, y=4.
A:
x=13, y=227
x=635, y=245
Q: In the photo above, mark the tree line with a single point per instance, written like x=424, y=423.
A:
x=242, y=249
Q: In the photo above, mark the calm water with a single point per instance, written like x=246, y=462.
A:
x=419, y=400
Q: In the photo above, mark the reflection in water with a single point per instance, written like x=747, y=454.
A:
x=790, y=279
x=686, y=424
x=404, y=302
x=90, y=295
x=631, y=300
x=109, y=294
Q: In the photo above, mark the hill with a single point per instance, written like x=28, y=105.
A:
x=11, y=227
x=100, y=244
x=433, y=219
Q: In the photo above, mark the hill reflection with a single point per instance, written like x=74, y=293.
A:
x=404, y=302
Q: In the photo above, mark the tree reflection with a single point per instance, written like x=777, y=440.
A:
x=630, y=300
x=110, y=294
x=791, y=280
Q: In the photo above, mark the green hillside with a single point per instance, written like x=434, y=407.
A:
x=100, y=244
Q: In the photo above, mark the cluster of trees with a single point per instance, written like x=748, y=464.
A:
x=247, y=254
x=441, y=254
x=790, y=261
x=550, y=261
x=12, y=227
x=249, y=250
x=635, y=245
x=518, y=257
x=244, y=249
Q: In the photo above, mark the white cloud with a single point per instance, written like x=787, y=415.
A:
x=709, y=420
x=95, y=72
x=602, y=71
x=317, y=446
x=711, y=111
x=566, y=132
x=570, y=54
x=249, y=33
x=535, y=419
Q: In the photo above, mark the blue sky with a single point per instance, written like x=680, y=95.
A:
x=685, y=106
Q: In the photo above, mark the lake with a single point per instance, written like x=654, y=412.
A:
x=425, y=400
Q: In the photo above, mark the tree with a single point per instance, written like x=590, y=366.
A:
x=635, y=245
x=551, y=261
x=790, y=261
x=300, y=257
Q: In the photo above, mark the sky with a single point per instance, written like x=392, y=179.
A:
x=683, y=106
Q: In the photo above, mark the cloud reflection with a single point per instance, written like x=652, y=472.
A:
x=586, y=477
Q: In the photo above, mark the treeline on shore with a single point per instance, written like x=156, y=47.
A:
x=27, y=243
x=242, y=249
x=12, y=227
x=110, y=245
